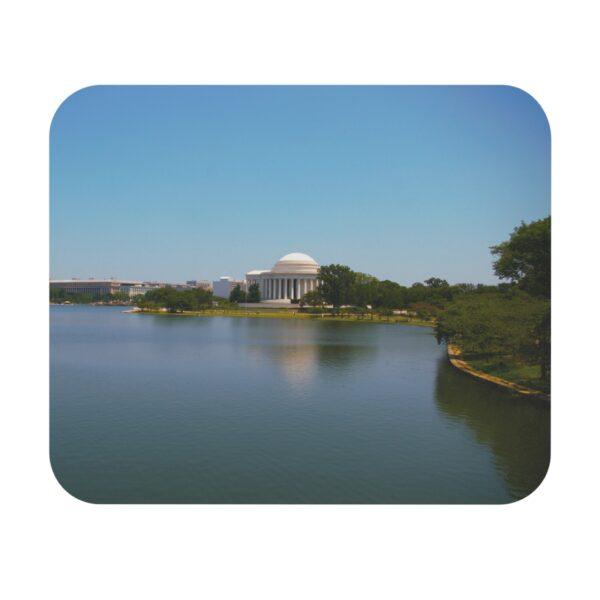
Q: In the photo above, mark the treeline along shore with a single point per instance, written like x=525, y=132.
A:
x=502, y=330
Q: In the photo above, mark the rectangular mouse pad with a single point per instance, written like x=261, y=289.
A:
x=300, y=294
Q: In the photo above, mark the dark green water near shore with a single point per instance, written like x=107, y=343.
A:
x=224, y=410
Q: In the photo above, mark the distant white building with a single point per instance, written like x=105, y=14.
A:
x=224, y=285
x=137, y=289
x=291, y=277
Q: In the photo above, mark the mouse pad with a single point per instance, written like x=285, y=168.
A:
x=300, y=294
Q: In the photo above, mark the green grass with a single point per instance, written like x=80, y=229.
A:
x=507, y=368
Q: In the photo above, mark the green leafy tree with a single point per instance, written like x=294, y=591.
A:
x=543, y=335
x=253, y=293
x=436, y=282
x=417, y=292
x=336, y=284
x=364, y=290
x=176, y=300
x=119, y=297
x=524, y=259
x=312, y=298
x=510, y=326
x=389, y=295
x=237, y=294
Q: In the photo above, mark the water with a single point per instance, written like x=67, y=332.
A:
x=223, y=410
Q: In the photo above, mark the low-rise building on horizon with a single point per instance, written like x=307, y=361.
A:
x=200, y=284
x=103, y=287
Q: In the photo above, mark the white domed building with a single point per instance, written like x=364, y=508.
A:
x=290, y=278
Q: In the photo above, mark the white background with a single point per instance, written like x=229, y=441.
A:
x=57, y=547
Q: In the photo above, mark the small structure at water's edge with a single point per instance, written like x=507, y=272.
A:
x=454, y=354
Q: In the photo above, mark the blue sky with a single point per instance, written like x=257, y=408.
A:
x=175, y=183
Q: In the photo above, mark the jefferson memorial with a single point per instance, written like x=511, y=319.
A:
x=291, y=277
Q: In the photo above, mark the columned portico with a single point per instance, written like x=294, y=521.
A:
x=288, y=281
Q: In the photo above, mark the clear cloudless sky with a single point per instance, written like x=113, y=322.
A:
x=192, y=182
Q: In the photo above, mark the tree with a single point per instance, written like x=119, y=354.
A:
x=176, y=300
x=364, y=289
x=312, y=298
x=436, y=282
x=417, y=292
x=253, y=293
x=543, y=334
x=336, y=284
x=525, y=258
x=494, y=323
x=237, y=294
x=388, y=294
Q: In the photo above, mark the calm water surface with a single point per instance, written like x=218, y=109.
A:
x=179, y=409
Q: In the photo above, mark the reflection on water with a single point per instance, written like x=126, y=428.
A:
x=300, y=362
x=176, y=409
x=302, y=349
x=516, y=429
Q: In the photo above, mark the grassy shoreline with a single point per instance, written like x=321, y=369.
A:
x=521, y=374
x=522, y=379
x=290, y=314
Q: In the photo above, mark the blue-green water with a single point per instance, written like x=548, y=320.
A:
x=180, y=409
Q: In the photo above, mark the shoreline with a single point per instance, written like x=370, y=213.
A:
x=454, y=354
x=287, y=314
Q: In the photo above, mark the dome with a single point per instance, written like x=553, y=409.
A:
x=296, y=262
x=297, y=257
